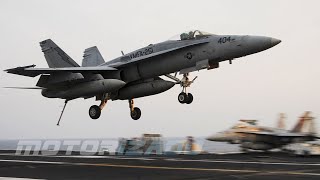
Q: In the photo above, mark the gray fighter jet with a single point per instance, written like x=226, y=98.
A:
x=251, y=136
x=136, y=74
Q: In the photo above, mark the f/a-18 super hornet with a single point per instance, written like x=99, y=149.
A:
x=251, y=136
x=136, y=74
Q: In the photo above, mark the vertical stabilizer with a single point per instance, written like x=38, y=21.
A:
x=281, y=121
x=55, y=56
x=92, y=57
x=305, y=124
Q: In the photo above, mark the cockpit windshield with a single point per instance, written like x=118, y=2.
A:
x=192, y=34
x=240, y=126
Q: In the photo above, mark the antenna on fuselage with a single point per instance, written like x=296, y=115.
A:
x=122, y=53
x=65, y=104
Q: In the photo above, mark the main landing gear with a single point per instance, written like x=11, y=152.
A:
x=95, y=111
x=135, y=112
x=184, y=97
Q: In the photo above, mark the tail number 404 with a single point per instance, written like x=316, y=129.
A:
x=224, y=39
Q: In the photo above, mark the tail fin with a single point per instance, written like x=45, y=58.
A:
x=305, y=124
x=92, y=57
x=281, y=121
x=55, y=56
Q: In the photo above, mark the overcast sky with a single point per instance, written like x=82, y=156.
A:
x=282, y=79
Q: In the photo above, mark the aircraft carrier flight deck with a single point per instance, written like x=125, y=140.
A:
x=204, y=166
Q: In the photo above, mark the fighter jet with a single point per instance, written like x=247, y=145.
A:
x=250, y=136
x=137, y=74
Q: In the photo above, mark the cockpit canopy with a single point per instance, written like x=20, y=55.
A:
x=192, y=34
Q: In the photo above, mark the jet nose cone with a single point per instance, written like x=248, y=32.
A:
x=214, y=137
x=254, y=44
x=209, y=138
x=275, y=41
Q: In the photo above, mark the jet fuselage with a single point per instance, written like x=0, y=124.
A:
x=207, y=51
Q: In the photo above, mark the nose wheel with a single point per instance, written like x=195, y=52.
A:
x=184, y=97
x=135, y=112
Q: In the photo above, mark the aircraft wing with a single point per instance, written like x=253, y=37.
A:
x=283, y=134
x=146, y=57
x=33, y=72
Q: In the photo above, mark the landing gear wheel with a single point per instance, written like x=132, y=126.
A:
x=135, y=113
x=182, y=97
x=189, y=99
x=94, y=112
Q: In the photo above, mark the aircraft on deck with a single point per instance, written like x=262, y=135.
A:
x=251, y=136
x=136, y=74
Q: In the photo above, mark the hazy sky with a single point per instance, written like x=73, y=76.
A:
x=282, y=79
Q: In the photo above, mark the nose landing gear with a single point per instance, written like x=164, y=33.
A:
x=184, y=97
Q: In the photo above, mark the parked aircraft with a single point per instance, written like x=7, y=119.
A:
x=251, y=136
